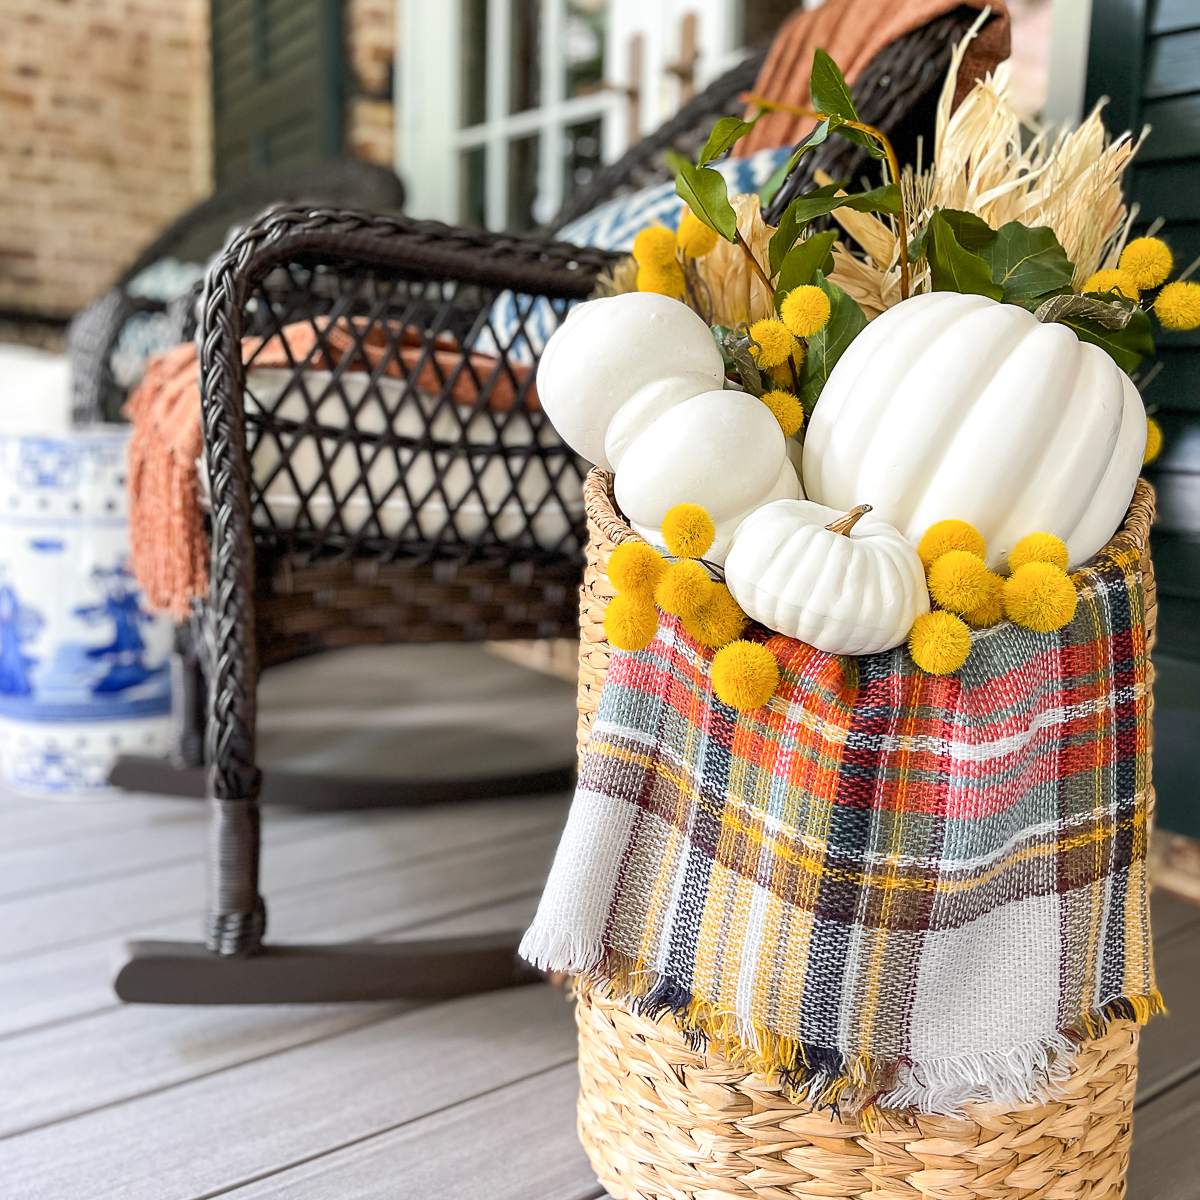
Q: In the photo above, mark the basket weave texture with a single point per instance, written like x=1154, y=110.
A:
x=662, y=1119
x=659, y=1119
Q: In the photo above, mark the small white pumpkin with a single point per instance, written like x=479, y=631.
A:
x=956, y=406
x=846, y=583
x=609, y=350
x=721, y=450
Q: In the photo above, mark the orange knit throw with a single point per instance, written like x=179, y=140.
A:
x=169, y=549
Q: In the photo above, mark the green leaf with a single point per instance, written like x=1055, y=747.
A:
x=767, y=192
x=970, y=231
x=827, y=87
x=1127, y=346
x=790, y=227
x=705, y=192
x=846, y=322
x=1026, y=262
x=725, y=132
x=804, y=261
x=953, y=268
x=880, y=199
x=830, y=95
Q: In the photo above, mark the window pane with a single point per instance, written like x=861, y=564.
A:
x=525, y=87
x=523, y=183
x=583, y=45
x=474, y=61
x=581, y=154
x=472, y=199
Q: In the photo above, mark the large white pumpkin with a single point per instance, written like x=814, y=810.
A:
x=953, y=406
x=607, y=351
x=845, y=593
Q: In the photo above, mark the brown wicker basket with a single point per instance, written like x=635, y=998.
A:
x=661, y=1120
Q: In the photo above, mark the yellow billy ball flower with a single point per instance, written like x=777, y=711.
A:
x=654, y=247
x=665, y=280
x=630, y=623
x=695, y=238
x=1148, y=260
x=939, y=642
x=1153, y=440
x=991, y=611
x=1039, y=547
x=744, y=675
x=786, y=409
x=781, y=376
x=950, y=535
x=1113, y=280
x=805, y=310
x=684, y=588
x=958, y=580
x=719, y=621
x=775, y=342
x=688, y=531
x=1178, y=305
x=634, y=569
x=1040, y=596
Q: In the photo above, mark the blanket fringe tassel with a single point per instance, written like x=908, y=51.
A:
x=867, y=1088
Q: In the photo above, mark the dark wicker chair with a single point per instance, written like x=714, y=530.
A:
x=420, y=295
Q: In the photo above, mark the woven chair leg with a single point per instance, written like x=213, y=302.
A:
x=237, y=915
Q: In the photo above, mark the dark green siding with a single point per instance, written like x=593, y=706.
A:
x=277, y=83
x=1145, y=55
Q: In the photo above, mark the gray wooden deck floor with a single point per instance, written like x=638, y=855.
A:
x=471, y=1098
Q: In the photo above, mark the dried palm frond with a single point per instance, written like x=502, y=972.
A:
x=736, y=291
x=618, y=280
x=1069, y=180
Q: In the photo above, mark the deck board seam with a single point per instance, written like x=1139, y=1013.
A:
x=383, y=1131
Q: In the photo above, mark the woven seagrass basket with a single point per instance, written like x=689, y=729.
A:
x=662, y=1121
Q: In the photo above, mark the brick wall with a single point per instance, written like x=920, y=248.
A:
x=370, y=27
x=104, y=108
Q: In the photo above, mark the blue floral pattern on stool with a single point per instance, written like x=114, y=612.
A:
x=84, y=665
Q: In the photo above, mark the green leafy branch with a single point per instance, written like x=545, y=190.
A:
x=705, y=193
x=1025, y=265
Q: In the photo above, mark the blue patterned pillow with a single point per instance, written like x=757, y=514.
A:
x=612, y=226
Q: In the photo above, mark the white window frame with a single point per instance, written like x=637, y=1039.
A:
x=431, y=137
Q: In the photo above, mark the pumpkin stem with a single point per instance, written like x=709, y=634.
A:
x=843, y=525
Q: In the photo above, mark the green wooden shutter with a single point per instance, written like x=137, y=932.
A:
x=277, y=71
x=1145, y=55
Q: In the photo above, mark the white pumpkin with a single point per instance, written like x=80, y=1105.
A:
x=795, y=567
x=634, y=383
x=953, y=406
x=721, y=450
x=603, y=356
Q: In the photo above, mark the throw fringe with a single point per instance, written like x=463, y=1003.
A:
x=870, y=1089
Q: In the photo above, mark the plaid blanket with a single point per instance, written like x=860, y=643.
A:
x=885, y=888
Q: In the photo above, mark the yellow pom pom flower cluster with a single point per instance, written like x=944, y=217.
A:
x=694, y=238
x=805, y=310
x=786, y=409
x=1124, y=283
x=1144, y=266
x=1039, y=594
x=688, y=531
x=1148, y=261
x=659, y=269
x=744, y=674
x=1154, y=440
x=774, y=340
x=1178, y=306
